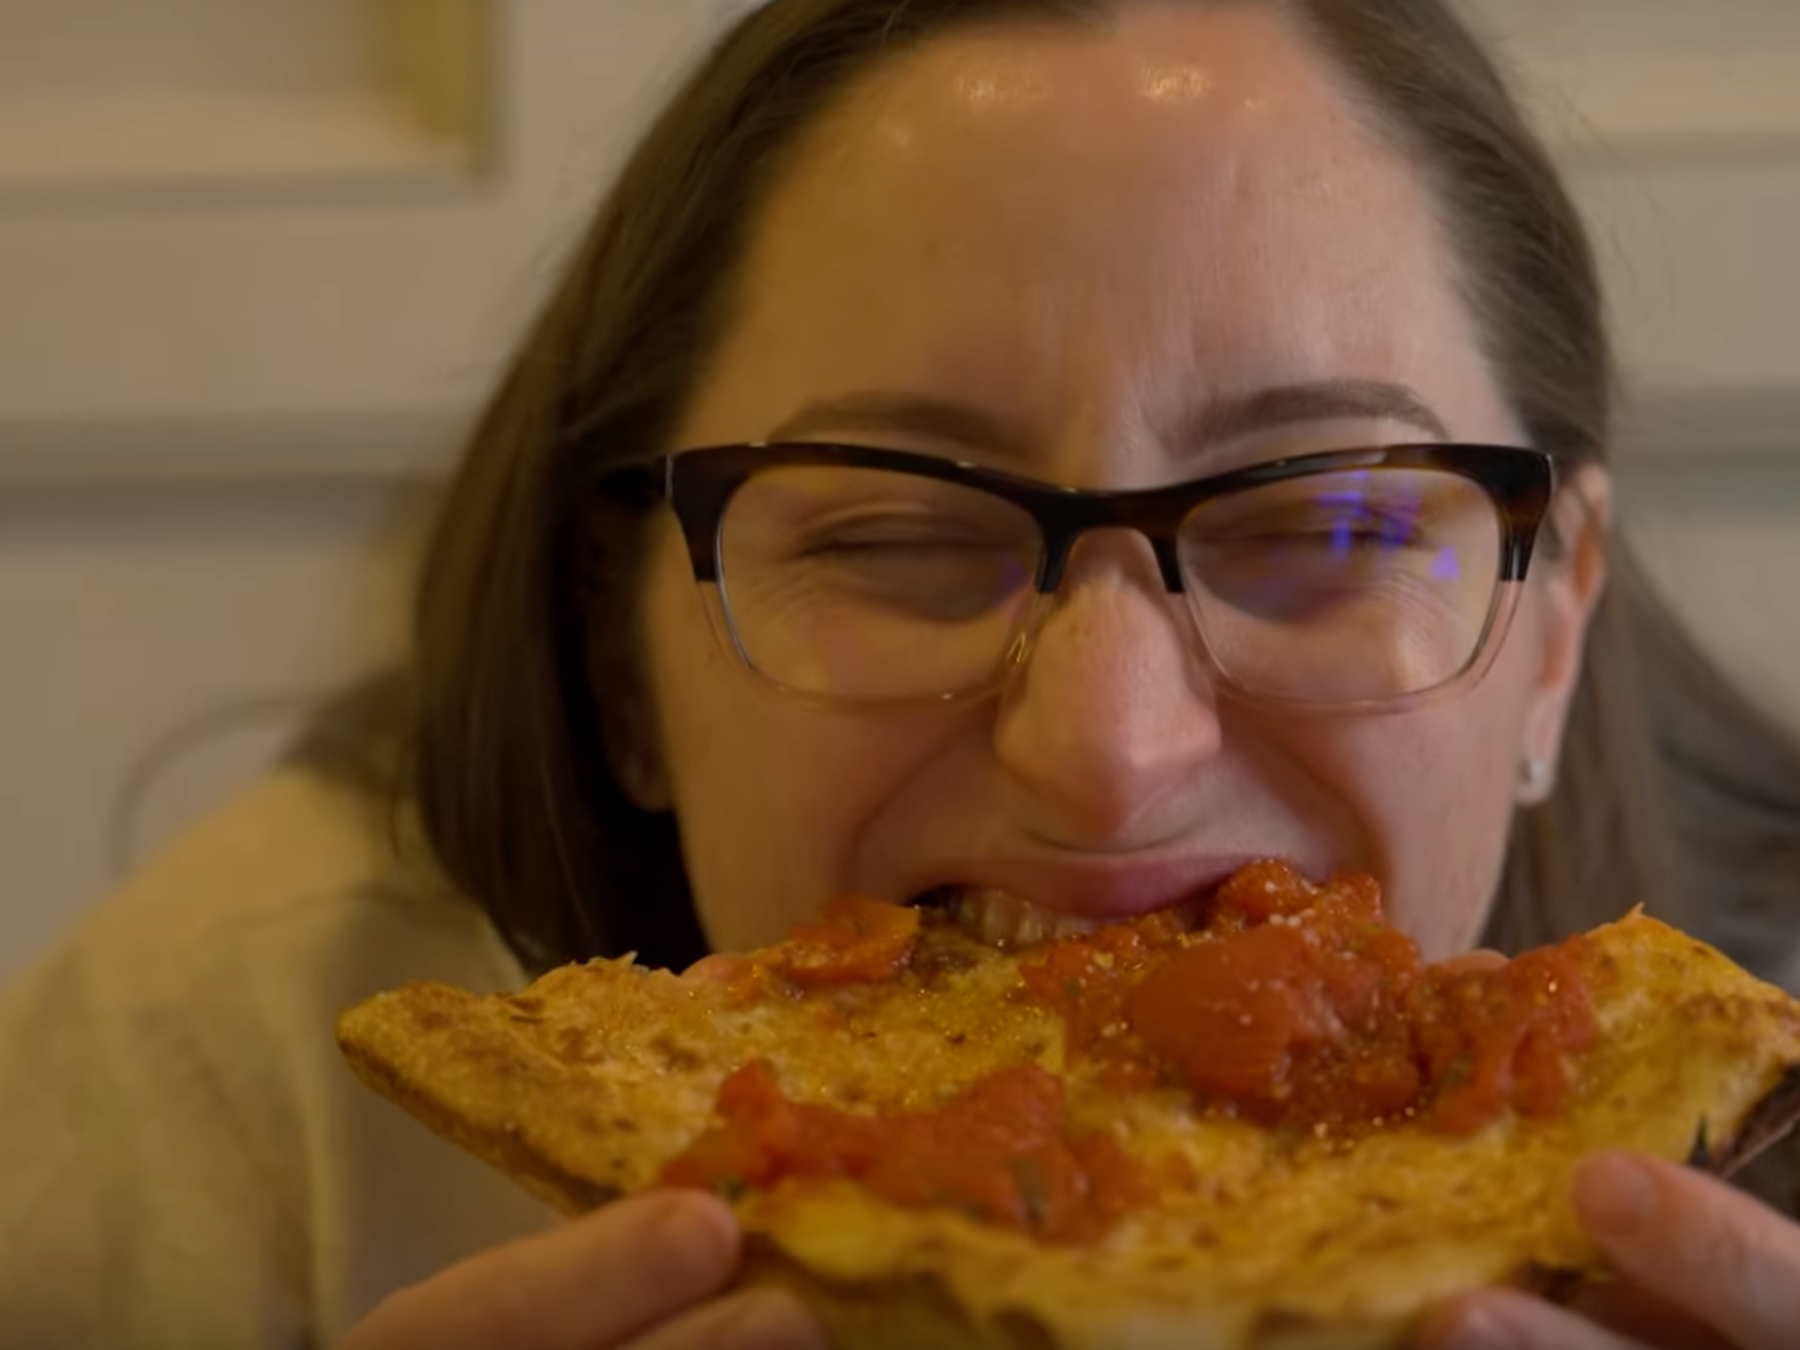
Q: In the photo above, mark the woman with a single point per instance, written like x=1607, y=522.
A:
x=892, y=276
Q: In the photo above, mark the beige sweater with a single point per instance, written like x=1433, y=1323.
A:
x=184, y=1159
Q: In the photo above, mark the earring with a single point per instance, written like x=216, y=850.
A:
x=1534, y=778
x=641, y=782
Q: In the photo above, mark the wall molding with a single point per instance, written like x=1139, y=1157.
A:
x=393, y=446
x=97, y=127
x=1697, y=426
x=1758, y=425
x=1654, y=82
x=169, y=338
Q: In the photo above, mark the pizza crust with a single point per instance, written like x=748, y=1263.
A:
x=582, y=1086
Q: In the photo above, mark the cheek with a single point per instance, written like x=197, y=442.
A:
x=773, y=793
x=1434, y=789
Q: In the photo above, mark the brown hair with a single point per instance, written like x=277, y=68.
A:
x=498, y=728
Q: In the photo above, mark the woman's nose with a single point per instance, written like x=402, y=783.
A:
x=1114, y=710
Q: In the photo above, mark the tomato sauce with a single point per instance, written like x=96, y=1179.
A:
x=1295, y=1006
x=1087, y=981
x=1505, y=1038
x=1000, y=1153
x=856, y=940
x=1298, y=1006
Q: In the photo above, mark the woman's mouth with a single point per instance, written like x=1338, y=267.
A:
x=1003, y=919
x=1019, y=901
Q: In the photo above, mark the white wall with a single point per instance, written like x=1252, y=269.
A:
x=221, y=362
x=160, y=643
x=1722, y=540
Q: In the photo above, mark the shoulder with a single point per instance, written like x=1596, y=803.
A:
x=217, y=972
x=174, y=1069
x=280, y=881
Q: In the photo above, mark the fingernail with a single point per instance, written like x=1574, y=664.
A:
x=1615, y=1194
x=1481, y=1329
x=770, y=1319
x=694, y=1230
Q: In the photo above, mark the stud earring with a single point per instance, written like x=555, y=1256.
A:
x=1534, y=778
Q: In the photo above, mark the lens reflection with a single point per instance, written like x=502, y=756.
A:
x=1345, y=587
x=1363, y=585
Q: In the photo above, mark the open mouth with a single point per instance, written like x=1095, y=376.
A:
x=1002, y=919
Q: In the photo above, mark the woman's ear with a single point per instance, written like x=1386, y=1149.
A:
x=624, y=710
x=628, y=727
x=1573, y=552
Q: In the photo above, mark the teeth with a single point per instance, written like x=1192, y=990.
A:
x=1004, y=920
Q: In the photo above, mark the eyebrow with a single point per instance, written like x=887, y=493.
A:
x=1223, y=419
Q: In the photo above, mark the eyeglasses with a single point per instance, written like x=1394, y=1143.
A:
x=1351, y=579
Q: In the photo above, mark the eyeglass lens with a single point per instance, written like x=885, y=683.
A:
x=874, y=584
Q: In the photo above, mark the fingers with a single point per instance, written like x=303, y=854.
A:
x=1638, y=1315
x=596, y=1281
x=1503, y=1320
x=1702, y=1246
x=1612, y=1317
x=762, y=1319
x=1725, y=1271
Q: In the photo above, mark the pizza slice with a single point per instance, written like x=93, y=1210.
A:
x=1260, y=1121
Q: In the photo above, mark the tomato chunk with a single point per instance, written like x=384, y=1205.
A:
x=1298, y=1005
x=856, y=940
x=1000, y=1153
x=1231, y=1012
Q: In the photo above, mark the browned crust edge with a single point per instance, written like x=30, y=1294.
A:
x=363, y=1038
x=919, y=1309
x=920, y=1312
x=896, y=1314
x=1766, y=1123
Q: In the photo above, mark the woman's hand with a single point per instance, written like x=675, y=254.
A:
x=1725, y=1271
x=641, y=1273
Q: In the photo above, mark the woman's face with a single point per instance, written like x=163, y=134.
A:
x=1092, y=242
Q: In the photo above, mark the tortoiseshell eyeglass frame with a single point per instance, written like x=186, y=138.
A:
x=699, y=484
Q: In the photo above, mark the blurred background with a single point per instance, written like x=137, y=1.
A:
x=259, y=260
